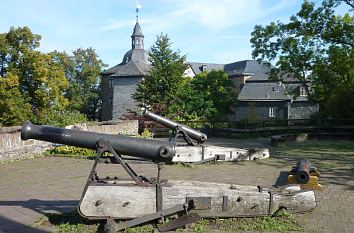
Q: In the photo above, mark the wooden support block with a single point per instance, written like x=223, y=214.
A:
x=312, y=184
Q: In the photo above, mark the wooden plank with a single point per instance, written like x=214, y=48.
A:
x=118, y=201
x=242, y=200
x=191, y=154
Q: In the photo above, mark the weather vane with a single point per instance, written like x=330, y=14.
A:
x=138, y=6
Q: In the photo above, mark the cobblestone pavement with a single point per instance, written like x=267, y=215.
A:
x=31, y=188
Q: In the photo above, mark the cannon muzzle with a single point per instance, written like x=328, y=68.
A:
x=192, y=133
x=137, y=147
x=303, y=171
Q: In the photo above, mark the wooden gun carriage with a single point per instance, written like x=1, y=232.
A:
x=141, y=199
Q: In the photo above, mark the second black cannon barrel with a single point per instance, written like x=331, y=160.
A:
x=192, y=133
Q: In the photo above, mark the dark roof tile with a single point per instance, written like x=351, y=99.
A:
x=263, y=91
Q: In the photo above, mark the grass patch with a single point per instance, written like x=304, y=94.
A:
x=284, y=222
x=68, y=223
x=73, y=223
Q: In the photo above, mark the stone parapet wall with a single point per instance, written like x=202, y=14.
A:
x=12, y=147
x=126, y=127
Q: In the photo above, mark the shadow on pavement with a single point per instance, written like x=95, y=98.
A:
x=282, y=179
x=10, y=226
x=44, y=207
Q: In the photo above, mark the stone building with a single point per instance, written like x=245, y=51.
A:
x=258, y=97
x=119, y=82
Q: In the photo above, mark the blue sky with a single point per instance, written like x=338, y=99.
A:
x=215, y=31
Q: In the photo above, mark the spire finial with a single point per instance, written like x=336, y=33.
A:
x=138, y=6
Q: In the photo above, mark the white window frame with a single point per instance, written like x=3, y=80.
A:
x=302, y=91
x=271, y=112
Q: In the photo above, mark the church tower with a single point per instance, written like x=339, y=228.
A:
x=137, y=37
x=119, y=82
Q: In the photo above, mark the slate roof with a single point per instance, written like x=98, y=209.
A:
x=135, y=63
x=132, y=68
x=267, y=91
x=258, y=70
x=137, y=30
x=197, y=66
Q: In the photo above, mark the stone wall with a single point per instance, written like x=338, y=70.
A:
x=123, y=101
x=107, y=97
x=303, y=109
x=260, y=110
x=126, y=127
x=117, y=96
x=12, y=147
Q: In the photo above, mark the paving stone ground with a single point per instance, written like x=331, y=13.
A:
x=31, y=188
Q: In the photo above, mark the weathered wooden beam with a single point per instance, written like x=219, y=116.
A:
x=131, y=201
x=193, y=154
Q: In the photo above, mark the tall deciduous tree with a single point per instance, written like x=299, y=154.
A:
x=164, y=80
x=14, y=108
x=46, y=88
x=315, y=45
x=208, y=95
x=83, y=73
x=33, y=76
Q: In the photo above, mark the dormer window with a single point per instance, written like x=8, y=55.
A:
x=302, y=91
x=204, y=68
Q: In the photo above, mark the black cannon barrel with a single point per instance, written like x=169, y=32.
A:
x=192, y=133
x=303, y=171
x=137, y=147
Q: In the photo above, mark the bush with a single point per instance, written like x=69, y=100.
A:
x=71, y=151
x=65, y=118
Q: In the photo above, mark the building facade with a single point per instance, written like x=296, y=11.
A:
x=258, y=97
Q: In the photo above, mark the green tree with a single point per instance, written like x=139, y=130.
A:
x=192, y=104
x=207, y=96
x=315, y=45
x=33, y=84
x=165, y=79
x=218, y=88
x=14, y=45
x=14, y=109
x=341, y=96
x=83, y=72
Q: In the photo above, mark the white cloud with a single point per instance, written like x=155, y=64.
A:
x=114, y=24
x=213, y=14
